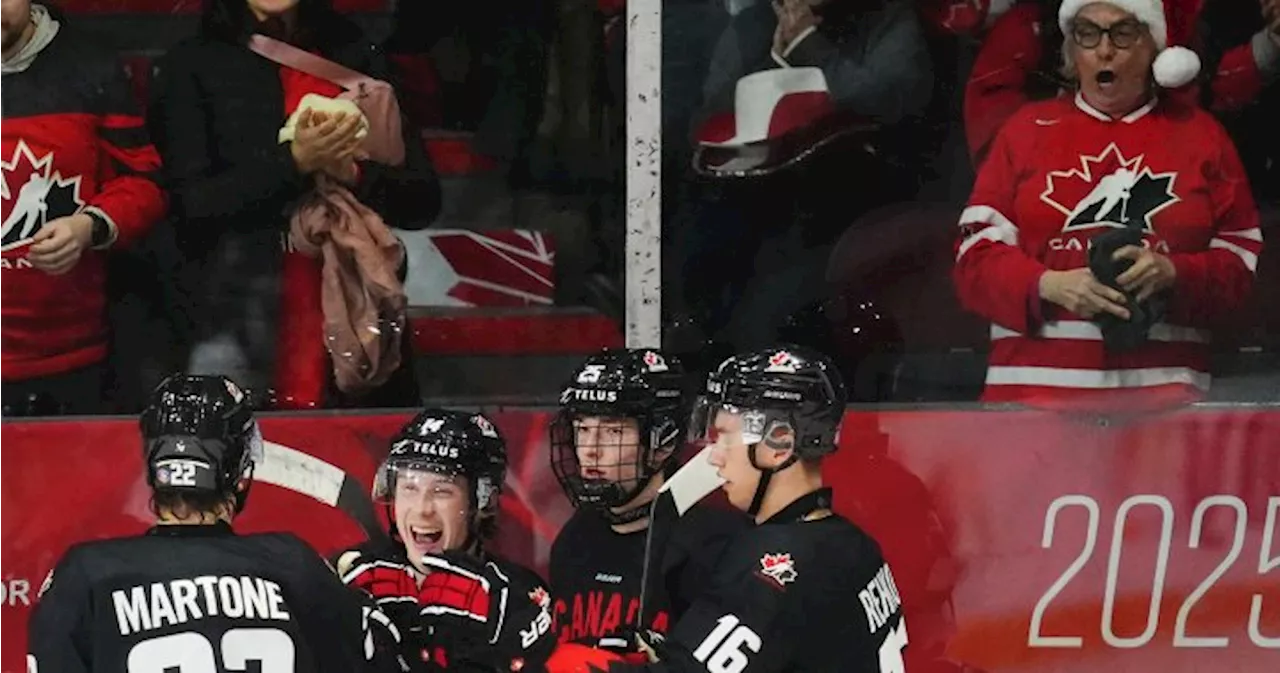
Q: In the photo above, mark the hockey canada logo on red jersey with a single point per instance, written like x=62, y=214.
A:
x=33, y=194
x=1109, y=190
x=778, y=567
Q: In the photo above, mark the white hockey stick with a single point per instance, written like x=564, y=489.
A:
x=691, y=483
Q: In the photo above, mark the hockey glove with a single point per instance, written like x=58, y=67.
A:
x=394, y=589
x=636, y=646
x=485, y=614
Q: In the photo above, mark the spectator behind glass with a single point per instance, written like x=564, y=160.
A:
x=872, y=52
x=876, y=64
x=1018, y=63
x=77, y=182
x=216, y=111
x=1119, y=160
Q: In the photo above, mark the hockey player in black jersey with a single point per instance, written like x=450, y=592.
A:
x=802, y=590
x=622, y=422
x=440, y=484
x=190, y=594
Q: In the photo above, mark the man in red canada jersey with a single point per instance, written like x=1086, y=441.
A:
x=77, y=167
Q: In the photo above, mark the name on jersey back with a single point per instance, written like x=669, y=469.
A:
x=161, y=604
x=880, y=599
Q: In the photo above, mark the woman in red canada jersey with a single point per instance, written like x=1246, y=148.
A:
x=1107, y=232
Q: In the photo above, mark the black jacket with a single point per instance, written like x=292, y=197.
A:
x=215, y=111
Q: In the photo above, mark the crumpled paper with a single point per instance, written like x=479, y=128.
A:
x=325, y=104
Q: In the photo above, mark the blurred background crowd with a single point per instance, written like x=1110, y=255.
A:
x=817, y=156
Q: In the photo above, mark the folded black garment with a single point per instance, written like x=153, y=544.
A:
x=1120, y=335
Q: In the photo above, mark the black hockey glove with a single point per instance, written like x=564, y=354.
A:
x=486, y=615
x=393, y=586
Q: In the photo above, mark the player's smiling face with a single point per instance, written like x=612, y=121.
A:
x=1114, y=67
x=431, y=511
x=729, y=455
x=608, y=449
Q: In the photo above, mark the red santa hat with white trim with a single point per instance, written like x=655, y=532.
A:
x=1175, y=66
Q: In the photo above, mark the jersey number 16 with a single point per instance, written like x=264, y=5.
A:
x=722, y=650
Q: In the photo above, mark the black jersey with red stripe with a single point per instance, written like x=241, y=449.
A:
x=73, y=141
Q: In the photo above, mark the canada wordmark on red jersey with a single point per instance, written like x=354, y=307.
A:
x=1061, y=173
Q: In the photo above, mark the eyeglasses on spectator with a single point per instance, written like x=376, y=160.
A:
x=1123, y=34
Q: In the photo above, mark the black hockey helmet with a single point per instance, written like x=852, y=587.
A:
x=450, y=443
x=199, y=436
x=785, y=388
x=641, y=385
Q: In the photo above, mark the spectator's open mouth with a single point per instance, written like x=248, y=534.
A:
x=1106, y=78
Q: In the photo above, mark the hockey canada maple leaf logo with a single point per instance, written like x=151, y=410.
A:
x=1109, y=190
x=33, y=194
x=778, y=567
x=540, y=597
x=784, y=362
x=654, y=362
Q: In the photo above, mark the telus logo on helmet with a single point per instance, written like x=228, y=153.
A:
x=580, y=395
x=428, y=448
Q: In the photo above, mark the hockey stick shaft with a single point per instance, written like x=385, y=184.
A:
x=691, y=483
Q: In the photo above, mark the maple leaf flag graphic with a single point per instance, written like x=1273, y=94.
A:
x=33, y=194
x=1109, y=190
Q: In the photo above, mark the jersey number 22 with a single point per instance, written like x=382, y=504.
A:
x=191, y=652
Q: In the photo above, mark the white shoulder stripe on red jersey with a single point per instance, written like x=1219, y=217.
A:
x=1085, y=330
x=1249, y=258
x=1254, y=234
x=1057, y=377
x=1000, y=230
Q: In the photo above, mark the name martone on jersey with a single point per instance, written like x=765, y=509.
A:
x=160, y=604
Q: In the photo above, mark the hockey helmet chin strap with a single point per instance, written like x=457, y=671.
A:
x=642, y=510
x=242, y=494
x=766, y=473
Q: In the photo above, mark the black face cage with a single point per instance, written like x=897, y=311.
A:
x=659, y=438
